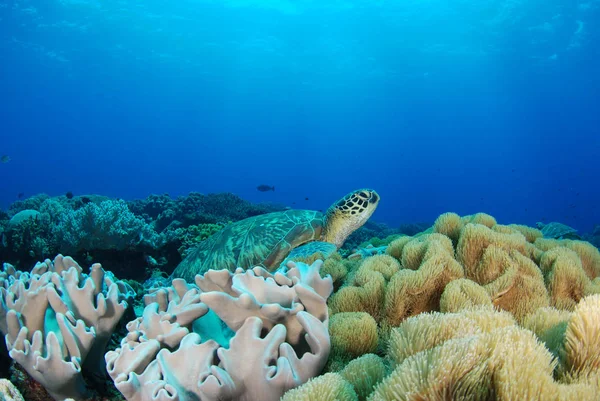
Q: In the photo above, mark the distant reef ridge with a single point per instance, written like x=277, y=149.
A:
x=139, y=235
x=152, y=232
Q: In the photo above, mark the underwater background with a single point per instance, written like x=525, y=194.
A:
x=150, y=152
x=471, y=106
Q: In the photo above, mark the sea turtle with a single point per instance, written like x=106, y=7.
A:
x=267, y=240
x=557, y=230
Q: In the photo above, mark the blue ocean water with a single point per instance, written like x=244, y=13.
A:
x=464, y=106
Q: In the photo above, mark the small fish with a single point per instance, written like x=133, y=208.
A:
x=265, y=188
x=5, y=159
x=305, y=198
x=20, y=195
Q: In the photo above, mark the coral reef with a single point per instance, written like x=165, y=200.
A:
x=196, y=208
x=197, y=233
x=353, y=334
x=369, y=250
x=57, y=321
x=364, y=373
x=194, y=342
x=481, y=354
x=378, y=234
x=473, y=309
x=8, y=391
x=593, y=237
x=329, y=387
x=108, y=225
x=465, y=309
x=133, y=236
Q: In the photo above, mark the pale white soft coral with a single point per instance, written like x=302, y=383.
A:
x=56, y=318
x=247, y=335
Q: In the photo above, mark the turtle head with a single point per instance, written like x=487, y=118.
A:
x=348, y=214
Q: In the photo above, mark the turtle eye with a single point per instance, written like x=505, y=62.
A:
x=374, y=198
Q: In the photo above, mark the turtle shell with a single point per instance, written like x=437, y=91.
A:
x=263, y=240
x=559, y=231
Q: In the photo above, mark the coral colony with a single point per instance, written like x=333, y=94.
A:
x=466, y=308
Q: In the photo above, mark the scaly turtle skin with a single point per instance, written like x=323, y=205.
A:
x=267, y=240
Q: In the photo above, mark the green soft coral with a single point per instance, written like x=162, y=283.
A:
x=377, y=242
x=108, y=225
x=197, y=233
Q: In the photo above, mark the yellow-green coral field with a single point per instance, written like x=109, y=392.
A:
x=469, y=310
